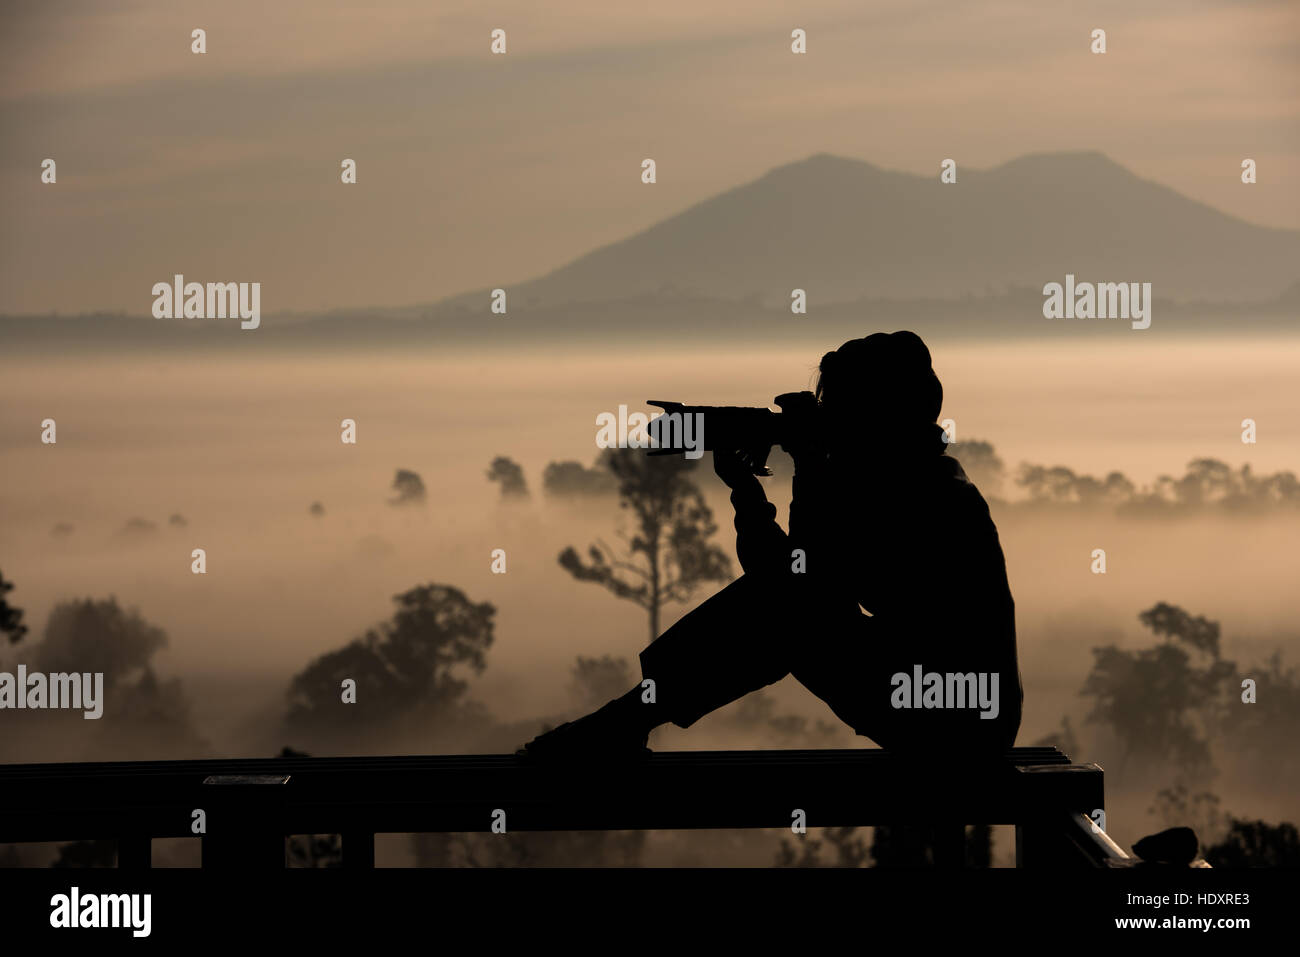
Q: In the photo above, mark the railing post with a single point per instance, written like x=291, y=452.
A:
x=244, y=829
x=358, y=849
x=949, y=842
x=1046, y=836
x=1033, y=845
x=246, y=848
x=1043, y=841
x=134, y=852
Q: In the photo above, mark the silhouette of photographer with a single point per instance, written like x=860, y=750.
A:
x=891, y=571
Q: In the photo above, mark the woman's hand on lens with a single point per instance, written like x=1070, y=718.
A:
x=733, y=467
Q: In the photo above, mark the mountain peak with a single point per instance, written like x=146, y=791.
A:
x=1056, y=163
x=820, y=163
x=1089, y=161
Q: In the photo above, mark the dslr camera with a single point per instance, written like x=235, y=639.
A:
x=750, y=430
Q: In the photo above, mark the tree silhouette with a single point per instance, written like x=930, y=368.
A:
x=403, y=668
x=136, y=529
x=143, y=715
x=409, y=488
x=1157, y=701
x=596, y=680
x=313, y=850
x=1209, y=482
x=979, y=462
x=11, y=618
x=510, y=475
x=1206, y=480
x=757, y=712
x=529, y=849
x=805, y=852
x=668, y=556
x=849, y=849
x=1059, y=485
x=1256, y=844
x=1205, y=484
x=574, y=480
x=1177, y=806
x=1268, y=729
x=907, y=845
x=91, y=635
x=1172, y=622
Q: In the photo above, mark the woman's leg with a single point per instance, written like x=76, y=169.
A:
x=852, y=669
x=735, y=642
x=745, y=637
x=756, y=631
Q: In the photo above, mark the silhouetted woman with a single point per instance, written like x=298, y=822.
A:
x=888, y=597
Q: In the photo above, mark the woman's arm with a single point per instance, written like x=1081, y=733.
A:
x=762, y=546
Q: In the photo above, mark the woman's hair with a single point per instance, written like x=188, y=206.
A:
x=886, y=374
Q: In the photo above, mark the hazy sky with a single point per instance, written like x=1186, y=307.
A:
x=480, y=170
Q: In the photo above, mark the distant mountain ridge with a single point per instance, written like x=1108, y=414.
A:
x=844, y=229
x=871, y=247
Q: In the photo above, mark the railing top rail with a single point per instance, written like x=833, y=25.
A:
x=683, y=789
x=871, y=757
